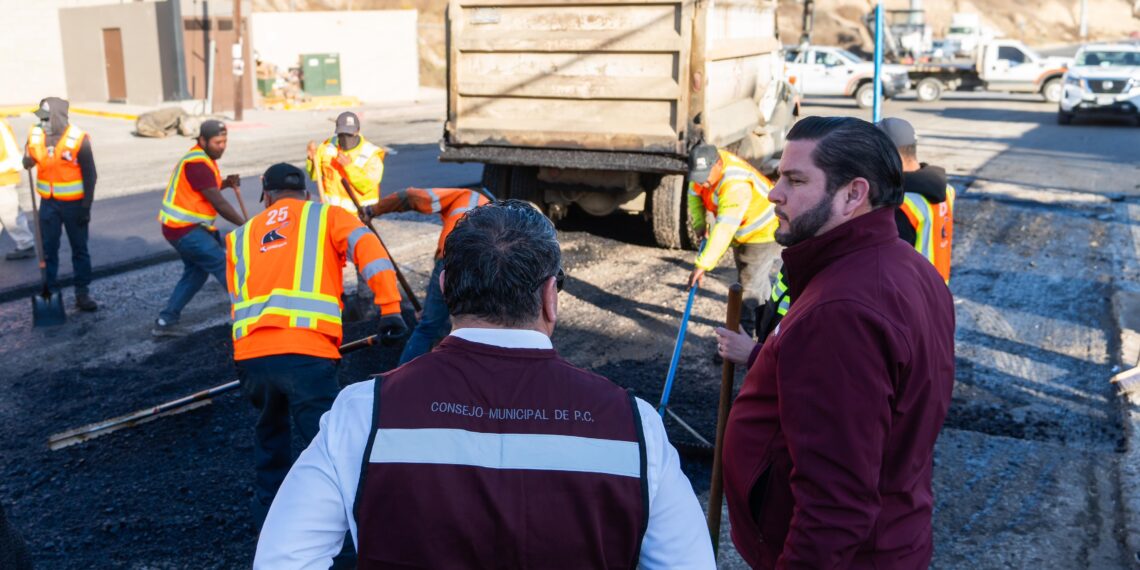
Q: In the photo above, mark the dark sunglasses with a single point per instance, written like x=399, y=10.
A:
x=559, y=279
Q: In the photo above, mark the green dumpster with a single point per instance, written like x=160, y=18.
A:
x=321, y=73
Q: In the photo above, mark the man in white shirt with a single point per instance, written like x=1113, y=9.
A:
x=491, y=450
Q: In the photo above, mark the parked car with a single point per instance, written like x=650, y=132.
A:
x=1104, y=80
x=828, y=70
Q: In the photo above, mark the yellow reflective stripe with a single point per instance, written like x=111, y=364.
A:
x=921, y=209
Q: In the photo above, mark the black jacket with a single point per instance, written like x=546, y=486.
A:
x=930, y=182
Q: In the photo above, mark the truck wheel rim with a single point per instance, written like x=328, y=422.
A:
x=868, y=98
x=1053, y=92
x=926, y=92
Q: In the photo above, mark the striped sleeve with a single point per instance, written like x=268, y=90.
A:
x=371, y=259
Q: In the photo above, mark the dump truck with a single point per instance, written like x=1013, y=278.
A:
x=597, y=103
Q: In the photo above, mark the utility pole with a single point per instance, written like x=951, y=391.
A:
x=239, y=62
x=1084, y=19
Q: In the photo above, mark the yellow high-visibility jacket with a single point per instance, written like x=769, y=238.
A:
x=363, y=174
x=738, y=210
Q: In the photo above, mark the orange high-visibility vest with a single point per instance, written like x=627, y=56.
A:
x=283, y=269
x=739, y=200
x=933, y=228
x=182, y=206
x=450, y=203
x=363, y=175
x=58, y=175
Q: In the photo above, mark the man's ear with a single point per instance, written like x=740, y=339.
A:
x=442, y=274
x=550, y=300
x=855, y=195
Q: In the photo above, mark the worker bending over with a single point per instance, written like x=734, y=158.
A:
x=284, y=273
x=735, y=196
x=65, y=181
x=491, y=451
x=192, y=201
x=450, y=204
x=344, y=163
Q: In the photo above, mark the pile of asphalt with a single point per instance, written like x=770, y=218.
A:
x=173, y=493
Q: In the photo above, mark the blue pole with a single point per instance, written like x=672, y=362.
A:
x=877, y=109
x=677, y=353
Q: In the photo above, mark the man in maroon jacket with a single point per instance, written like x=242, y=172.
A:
x=829, y=449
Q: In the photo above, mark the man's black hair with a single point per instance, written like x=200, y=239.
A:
x=495, y=261
x=850, y=148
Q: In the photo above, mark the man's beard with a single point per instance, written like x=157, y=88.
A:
x=212, y=154
x=807, y=224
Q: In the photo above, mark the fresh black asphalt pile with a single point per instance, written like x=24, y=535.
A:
x=173, y=493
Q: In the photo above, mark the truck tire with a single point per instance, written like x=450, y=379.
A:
x=865, y=95
x=524, y=186
x=929, y=90
x=670, y=214
x=1052, y=90
x=496, y=180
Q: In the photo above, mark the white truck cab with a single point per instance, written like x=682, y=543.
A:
x=998, y=65
x=1104, y=80
x=833, y=71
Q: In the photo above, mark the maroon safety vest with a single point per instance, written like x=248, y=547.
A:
x=485, y=457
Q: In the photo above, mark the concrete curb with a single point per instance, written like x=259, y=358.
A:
x=29, y=289
x=1126, y=312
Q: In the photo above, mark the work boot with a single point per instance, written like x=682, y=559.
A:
x=162, y=328
x=84, y=302
x=19, y=253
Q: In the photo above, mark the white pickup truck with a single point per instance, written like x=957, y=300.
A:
x=999, y=65
x=1104, y=80
x=832, y=71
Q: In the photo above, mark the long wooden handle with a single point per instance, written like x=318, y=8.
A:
x=727, y=377
x=241, y=203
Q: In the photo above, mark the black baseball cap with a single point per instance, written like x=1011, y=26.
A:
x=347, y=123
x=702, y=160
x=211, y=128
x=283, y=177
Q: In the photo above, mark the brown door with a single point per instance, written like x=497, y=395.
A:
x=116, y=73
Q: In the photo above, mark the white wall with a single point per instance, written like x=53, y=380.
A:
x=379, y=59
x=31, y=53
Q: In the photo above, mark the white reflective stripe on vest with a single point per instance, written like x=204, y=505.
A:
x=537, y=452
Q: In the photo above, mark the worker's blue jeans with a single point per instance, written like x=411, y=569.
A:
x=202, y=256
x=434, y=322
x=283, y=386
x=56, y=216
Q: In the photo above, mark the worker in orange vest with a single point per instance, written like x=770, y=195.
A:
x=65, y=182
x=926, y=217
x=451, y=204
x=347, y=162
x=192, y=201
x=283, y=268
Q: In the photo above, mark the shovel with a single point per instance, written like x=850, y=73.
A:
x=47, y=307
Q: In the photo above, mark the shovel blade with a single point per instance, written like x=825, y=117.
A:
x=47, y=310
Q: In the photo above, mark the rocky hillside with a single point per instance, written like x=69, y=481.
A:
x=838, y=22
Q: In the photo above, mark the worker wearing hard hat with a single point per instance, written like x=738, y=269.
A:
x=728, y=202
x=283, y=268
x=450, y=204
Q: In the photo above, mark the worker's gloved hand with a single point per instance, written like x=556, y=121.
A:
x=29, y=162
x=392, y=328
x=311, y=151
x=231, y=181
x=366, y=214
x=85, y=215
